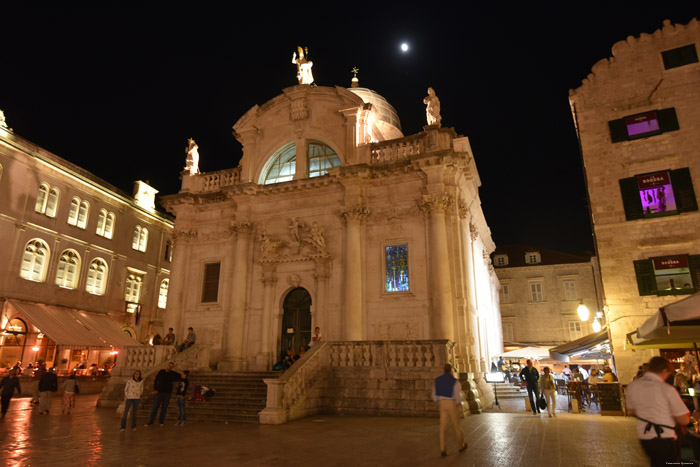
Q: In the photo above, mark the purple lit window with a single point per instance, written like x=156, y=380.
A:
x=656, y=193
x=639, y=125
x=396, y=268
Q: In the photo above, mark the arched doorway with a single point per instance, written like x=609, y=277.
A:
x=296, y=321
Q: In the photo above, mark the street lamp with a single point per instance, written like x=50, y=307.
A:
x=596, y=325
x=583, y=312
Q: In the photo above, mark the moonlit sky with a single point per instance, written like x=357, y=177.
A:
x=119, y=90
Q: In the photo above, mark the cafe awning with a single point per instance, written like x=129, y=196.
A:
x=59, y=327
x=584, y=345
x=103, y=326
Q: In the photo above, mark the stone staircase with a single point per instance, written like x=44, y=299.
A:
x=239, y=397
x=510, y=391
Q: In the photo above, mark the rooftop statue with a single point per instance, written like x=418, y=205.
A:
x=304, y=74
x=432, y=109
x=3, y=123
x=192, y=160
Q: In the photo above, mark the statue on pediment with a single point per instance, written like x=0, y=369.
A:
x=432, y=109
x=192, y=161
x=304, y=74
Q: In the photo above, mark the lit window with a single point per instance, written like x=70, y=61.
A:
x=533, y=257
x=575, y=330
x=133, y=288
x=570, y=290
x=321, y=158
x=168, y=251
x=68, y=270
x=396, y=268
x=501, y=260
x=281, y=166
x=109, y=225
x=52, y=203
x=536, y=294
x=83, y=214
x=667, y=275
x=105, y=224
x=505, y=293
x=73, y=213
x=140, y=239
x=163, y=293
x=97, y=277
x=35, y=261
x=658, y=194
x=41, y=198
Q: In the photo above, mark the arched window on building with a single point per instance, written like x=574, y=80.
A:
x=35, y=261
x=52, y=202
x=73, y=213
x=140, y=240
x=109, y=225
x=105, y=224
x=163, y=293
x=168, y=251
x=83, y=214
x=133, y=288
x=41, y=198
x=281, y=166
x=68, y=270
x=97, y=277
x=321, y=158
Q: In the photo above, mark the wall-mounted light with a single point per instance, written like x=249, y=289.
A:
x=596, y=325
x=583, y=312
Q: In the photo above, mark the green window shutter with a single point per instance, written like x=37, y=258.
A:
x=667, y=119
x=646, y=281
x=618, y=130
x=630, y=199
x=683, y=190
x=694, y=261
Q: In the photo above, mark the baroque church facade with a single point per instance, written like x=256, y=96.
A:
x=334, y=219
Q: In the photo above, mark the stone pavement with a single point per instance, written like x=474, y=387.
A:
x=90, y=436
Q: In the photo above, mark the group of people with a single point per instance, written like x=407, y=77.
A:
x=290, y=355
x=169, y=339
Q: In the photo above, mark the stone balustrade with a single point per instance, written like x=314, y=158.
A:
x=214, y=181
x=142, y=358
x=397, y=149
x=359, y=377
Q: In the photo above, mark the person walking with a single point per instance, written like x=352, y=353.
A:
x=70, y=389
x=40, y=371
x=47, y=384
x=549, y=389
x=132, y=392
x=163, y=389
x=8, y=385
x=181, y=398
x=658, y=408
x=530, y=375
x=447, y=391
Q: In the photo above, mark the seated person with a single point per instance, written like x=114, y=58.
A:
x=190, y=340
x=156, y=339
x=169, y=338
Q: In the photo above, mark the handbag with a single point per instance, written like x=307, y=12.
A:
x=542, y=404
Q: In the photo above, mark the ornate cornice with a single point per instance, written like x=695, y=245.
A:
x=435, y=203
x=357, y=213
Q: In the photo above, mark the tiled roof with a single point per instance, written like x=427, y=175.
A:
x=516, y=256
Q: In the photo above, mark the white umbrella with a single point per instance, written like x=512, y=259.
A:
x=533, y=353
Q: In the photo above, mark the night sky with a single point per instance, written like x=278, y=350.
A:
x=119, y=90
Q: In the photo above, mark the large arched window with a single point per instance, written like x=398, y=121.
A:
x=68, y=270
x=78, y=214
x=140, y=240
x=97, y=277
x=105, y=223
x=163, y=293
x=35, y=261
x=133, y=288
x=281, y=166
x=321, y=158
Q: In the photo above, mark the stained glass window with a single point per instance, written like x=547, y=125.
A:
x=396, y=260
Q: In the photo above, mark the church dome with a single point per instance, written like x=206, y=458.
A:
x=389, y=123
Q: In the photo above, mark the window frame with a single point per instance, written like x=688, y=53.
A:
x=42, y=198
x=134, y=286
x=683, y=191
x=646, y=276
x=534, y=294
x=91, y=283
x=505, y=293
x=567, y=295
x=575, y=333
x=32, y=273
x=163, y=297
x=396, y=243
x=666, y=118
x=204, y=298
x=65, y=277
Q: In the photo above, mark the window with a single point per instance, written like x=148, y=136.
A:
x=73, y=213
x=536, y=294
x=282, y=166
x=570, y=290
x=163, y=293
x=133, y=288
x=78, y=214
x=105, y=224
x=680, y=56
x=575, y=330
x=508, y=332
x=168, y=251
x=501, y=260
x=643, y=125
x=505, y=293
x=97, y=277
x=533, y=257
x=52, y=203
x=321, y=158
x=210, y=285
x=41, y=199
x=68, y=270
x=140, y=240
x=396, y=268
x=35, y=261
x=668, y=275
x=658, y=194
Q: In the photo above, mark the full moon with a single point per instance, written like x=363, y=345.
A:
x=404, y=47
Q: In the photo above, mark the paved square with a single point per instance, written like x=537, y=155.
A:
x=91, y=436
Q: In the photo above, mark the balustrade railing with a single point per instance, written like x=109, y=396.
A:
x=394, y=150
x=216, y=180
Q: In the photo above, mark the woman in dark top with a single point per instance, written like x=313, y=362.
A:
x=181, y=398
x=8, y=385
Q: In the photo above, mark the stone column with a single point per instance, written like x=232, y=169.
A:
x=233, y=351
x=352, y=310
x=440, y=289
x=302, y=161
x=320, y=313
x=269, y=281
x=472, y=319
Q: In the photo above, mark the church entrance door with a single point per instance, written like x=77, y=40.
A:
x=296, y=321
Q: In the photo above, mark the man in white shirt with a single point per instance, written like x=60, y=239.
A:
x=658, y=408
x=447, y=391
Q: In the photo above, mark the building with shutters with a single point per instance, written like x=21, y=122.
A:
x=85, y=267
x=638, y=121
x=541, y=290
x=335, y=219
